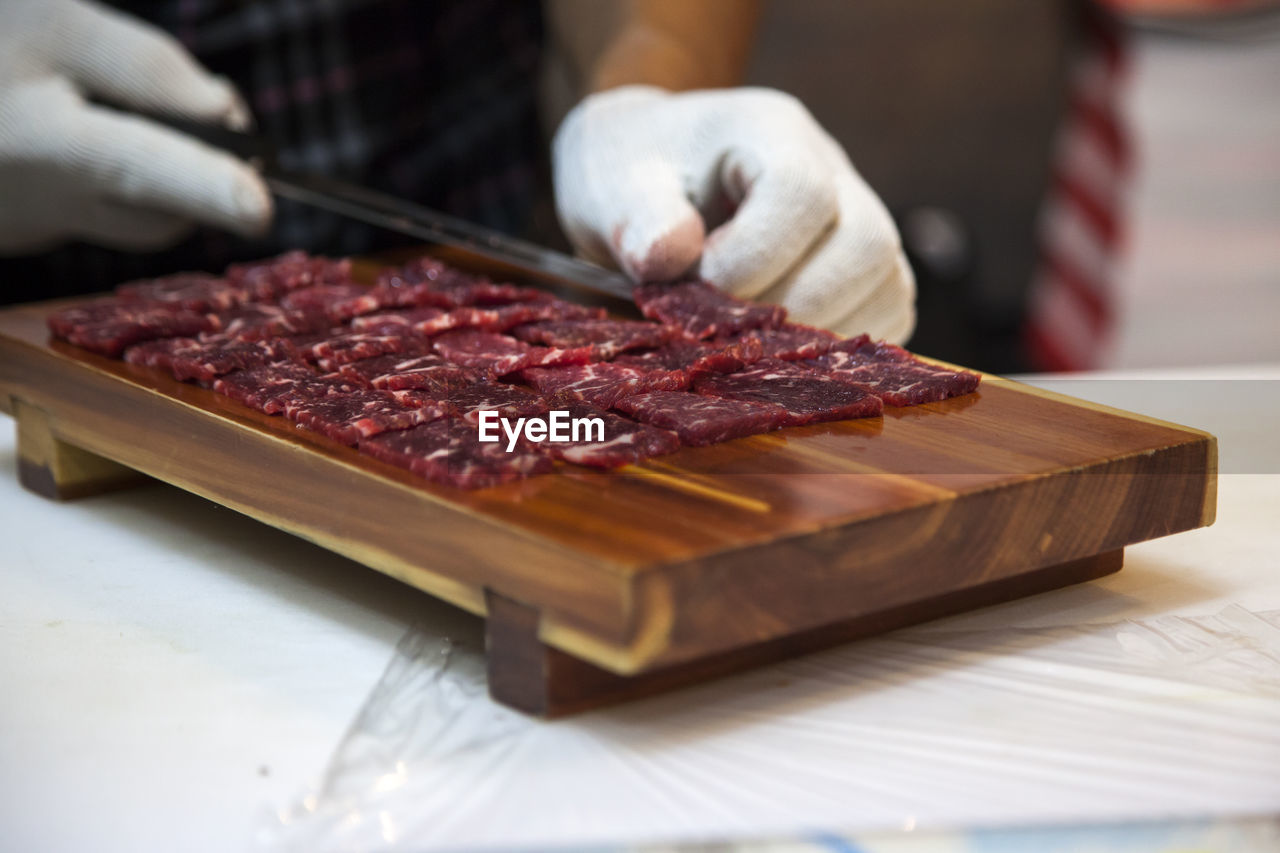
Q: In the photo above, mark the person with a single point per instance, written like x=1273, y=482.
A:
x=665, y=168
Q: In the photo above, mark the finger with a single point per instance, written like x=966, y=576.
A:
x=889, y=313
x=788, y=201
x=138, y=163
x=645, y=223
x=130, y=62
x=848, y=265
x=655, y=234
x=119, y=227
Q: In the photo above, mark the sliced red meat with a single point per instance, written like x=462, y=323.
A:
x=541, y=310
x=110, y=326
x=504, y=317
x=431, y=401
x=385, y=322
x=808, y=396
x=449, y=451
x=695, y=357
x=453, y=319
x=428, y=282
x=895, y=380
x=864, y=347
x=602, y=383
x=430, y=373
x=158, y=353
x=359, y=413
x=622, y=441
x=509, y=401
x=274, y=277
x=194, y=291
x=209, y=359
x=338, y=302
x=702, y=311
x=606, y=337
x=494, y=353
x=337, y=350
x=792, y=341
x=698, y=419
x=270, y=387
x=259, y=322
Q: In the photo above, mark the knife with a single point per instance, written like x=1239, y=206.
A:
x=395, y=214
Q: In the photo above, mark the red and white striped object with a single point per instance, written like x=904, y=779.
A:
x=1071, y=314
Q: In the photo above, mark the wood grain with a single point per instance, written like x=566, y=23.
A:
x=61, y=471
x=535, y=678
x=684, y=557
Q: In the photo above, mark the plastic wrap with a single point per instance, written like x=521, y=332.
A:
x=923, y=730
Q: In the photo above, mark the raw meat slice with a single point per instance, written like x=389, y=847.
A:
x=387, y=322
x=209, y=359
x=607, y=337
x=195, y=291
x=343, y=349
x=259, y=322
x=808, y=396
x=792, y=341
x=695, y=357
x=449, y=451
x=504, y=317
x=274, y=277
x=430, y=373
x=602, y=383
x=863, y=342
x=338, y=302
x=896, y=381
x=359, y=413
x=447, y=321
x=431, y=401
x=624, y=442
x=499, y=355
x=496, y=354
x=268, y=388
x=158, y=353
x=698, y=419
x=110, y=326
x=429, y=282
x=702, y=311
x=867, y=350
x=509, y=401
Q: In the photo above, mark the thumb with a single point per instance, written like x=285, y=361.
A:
x=139, y=66
x=618, y=193
x=653, y=231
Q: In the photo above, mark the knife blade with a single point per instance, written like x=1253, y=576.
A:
x=423, y=223
x=396, y=214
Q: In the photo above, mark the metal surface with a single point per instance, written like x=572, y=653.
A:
x=405, y=217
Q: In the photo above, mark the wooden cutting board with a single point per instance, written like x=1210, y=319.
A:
x=604, y=585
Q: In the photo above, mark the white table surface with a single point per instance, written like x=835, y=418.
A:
x=176, y=676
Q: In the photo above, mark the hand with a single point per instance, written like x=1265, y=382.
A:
x=70, y=169
x=639, y=172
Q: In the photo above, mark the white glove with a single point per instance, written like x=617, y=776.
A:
x=637, y=169
x=73, y=170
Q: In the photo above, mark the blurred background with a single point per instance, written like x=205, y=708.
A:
x=1079, y=184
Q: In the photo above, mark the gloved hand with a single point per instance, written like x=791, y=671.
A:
x=69, y=169
x=640, y=172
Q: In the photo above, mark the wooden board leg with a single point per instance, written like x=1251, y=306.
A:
x=532, y=677
x=50, y=467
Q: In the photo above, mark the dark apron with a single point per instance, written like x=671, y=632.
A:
x=430, y=100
